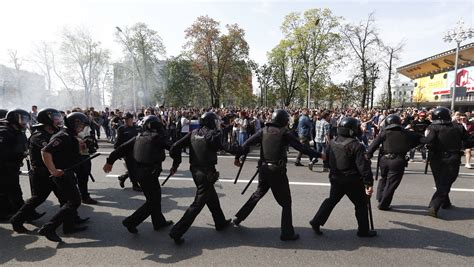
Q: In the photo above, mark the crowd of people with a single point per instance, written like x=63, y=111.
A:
x=345, y=139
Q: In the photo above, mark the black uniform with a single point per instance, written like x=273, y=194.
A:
x=13, y=147
x=148, y=150
x=64, y=148
x=396, y=142
x=274, y=142
x=204, y=144
x=41, y=184
x=125, y=133
x=419, y=126
x=349, y=172
x=445, y=139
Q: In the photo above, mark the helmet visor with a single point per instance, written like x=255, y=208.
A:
x=23, y=120
x=57, y=120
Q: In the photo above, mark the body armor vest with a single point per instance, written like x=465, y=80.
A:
x=273, y=147
x=201, y=154
x=341, y=159
x=449, y=138
x=39, y=139
x=396, y=142
x=145, y=150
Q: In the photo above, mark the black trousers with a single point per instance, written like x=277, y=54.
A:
x=391, y=171
x=445, y=172
x=66, y=185
x=274, y=178
x=131, y=165
x=355, y=191
x=10, y=189
x=82, y=174
x=41, y=187
x=148, y=179
x=205, y=196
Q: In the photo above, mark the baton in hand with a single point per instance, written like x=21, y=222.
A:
x=240, y=169
x=92, y=177
x=250, y=182
x=371, y=218
x=79, y=163
x=167, y=178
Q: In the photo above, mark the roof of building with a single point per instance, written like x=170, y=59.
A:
x=441, y=62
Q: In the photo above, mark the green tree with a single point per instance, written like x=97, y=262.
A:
x=182, y=85
x=316, y=43
x=215, y=56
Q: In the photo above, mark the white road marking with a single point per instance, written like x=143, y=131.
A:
x=228, y=180
x=460, y=189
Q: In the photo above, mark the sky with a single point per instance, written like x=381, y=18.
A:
x=420, y=24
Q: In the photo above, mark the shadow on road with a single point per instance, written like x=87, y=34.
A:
x=452, y=214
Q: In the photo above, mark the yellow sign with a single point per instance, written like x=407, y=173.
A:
x=431, y=88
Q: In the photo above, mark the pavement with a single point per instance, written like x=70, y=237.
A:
x=406, y=235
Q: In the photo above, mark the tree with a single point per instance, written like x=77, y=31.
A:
x=316, y=42
x=145, y=47
x=181, y=83
x=84, y=59
x=17, y=62
x=43, y=57
x=393, y=54
x=264, y=78
x=362, y=38
x=215, y=56
x=286, y=70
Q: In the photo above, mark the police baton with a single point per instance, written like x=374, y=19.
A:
x=250, y=182
x=427, y=161
x=79, y=163
x=240, y=168
x=167, y=178
x=371, y=218
x=92, y=177
x=378, y=166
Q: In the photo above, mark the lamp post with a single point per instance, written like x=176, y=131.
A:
x=125, y=42
x=458, y=34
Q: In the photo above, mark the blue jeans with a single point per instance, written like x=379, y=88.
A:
x=320, y=148
x=242, y=137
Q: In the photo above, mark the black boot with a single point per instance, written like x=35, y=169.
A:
x=163, y=225
x=224, y=225
x=369, y=233
x=178, y=240
x=50, y=234
x=289, y=237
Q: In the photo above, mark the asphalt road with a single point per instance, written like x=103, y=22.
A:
x=406, y=236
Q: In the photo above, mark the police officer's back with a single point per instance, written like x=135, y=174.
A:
x=148, y=150
x=396, y=142
x=349, y=173
x=445, y=141
x=274, y=138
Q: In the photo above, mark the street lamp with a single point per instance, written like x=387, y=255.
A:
x=458, y=35
x=125, y=42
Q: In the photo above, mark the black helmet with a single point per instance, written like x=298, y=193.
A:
x=74, y=119
x=441, y=114
x=19, y=117
x=280, y=117
x=152, y=123
x=393, y=121
x=349, y=127
x=48, y=116
x=210, y=120
x=3, y=113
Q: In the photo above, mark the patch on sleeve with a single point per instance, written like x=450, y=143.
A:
x=56, y=142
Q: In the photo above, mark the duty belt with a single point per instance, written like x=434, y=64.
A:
x=279, y=163
x=393, y=156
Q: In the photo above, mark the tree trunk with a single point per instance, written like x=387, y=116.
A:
x=389, y=87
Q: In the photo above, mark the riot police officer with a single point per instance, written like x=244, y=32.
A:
x=445, y=139
x=396, y=142
x=61, y=153
x=148, y=149
x=49, y=121
x=274, y=138
x=349, y=173
x=125, y=133
x=13, y=149
x=204, y=144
